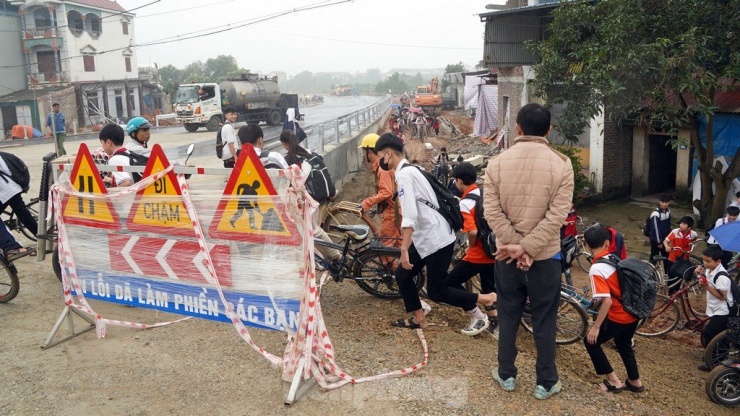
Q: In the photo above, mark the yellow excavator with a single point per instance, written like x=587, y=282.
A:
x=428, y=97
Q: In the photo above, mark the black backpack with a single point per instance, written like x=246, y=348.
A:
x=734, y=309
x=134, y=159
x=18, y=171
x=646, y=227
x=220, y=142
x=568, y=247
x=449, y=205
x=485, y=233
x=319, y=184
x=637, y=284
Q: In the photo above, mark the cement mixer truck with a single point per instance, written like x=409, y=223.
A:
x=255, y=99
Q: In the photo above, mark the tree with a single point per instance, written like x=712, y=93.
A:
x=392, y=83
x=213, y=70
x=656, y=63
x=453, y=68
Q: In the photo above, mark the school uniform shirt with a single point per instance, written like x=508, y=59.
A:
x=277, y=157
x=475, y=253
x=228, y=136
x=119, y=159
x=715, y=305
x=8, y=187
x=605, y=284
x=678, y=238
x=431, y=230
x=718, y=223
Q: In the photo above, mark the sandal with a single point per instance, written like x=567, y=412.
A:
x=408, y=324
x=17, y=253
x=610, y=388
x=632, y=388
x=491, y=307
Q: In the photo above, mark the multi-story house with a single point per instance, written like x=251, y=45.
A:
x=79, y=53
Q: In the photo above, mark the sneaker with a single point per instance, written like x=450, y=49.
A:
x=425, y=307
x=541, y=394
x=704, y=367
x=493, y=326
x=475, y=327
x=508, y=385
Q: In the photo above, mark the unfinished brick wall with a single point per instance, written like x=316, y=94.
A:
x=617, y=160
x=510, y=84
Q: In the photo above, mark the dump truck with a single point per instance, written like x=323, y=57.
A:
x=255, y=99
x=341, y=90
x=428, y=97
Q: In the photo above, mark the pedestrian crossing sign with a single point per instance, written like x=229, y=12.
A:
x=259, y=220
x=85, y=177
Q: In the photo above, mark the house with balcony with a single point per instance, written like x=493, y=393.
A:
x=79, y=53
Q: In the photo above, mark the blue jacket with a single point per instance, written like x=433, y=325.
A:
x=660, y=225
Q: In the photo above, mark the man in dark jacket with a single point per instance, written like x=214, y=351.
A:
x=659, y=226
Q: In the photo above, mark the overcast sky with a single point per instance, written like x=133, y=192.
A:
x=351, y=36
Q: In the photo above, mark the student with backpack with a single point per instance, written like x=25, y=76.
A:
x=428, y=238
x=252, y=134
x=14, y=181
x=385, y=194
x=227, y=146
x=721, y=295
x=111, y=140
x=657, y=227
x=476, y=260
x=613, y=321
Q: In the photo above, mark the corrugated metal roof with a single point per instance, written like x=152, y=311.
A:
x=27, y=95
x=100, y=4
x=523, y=9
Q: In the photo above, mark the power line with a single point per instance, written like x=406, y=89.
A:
x=374, y=43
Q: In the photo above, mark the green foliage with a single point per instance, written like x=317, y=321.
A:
x=213, y=70
x=451, y=69
x=580, y=180
x=394, y=83
x=657, y=63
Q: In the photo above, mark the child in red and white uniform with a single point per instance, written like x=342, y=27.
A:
x=678, y=243
x=612, y=321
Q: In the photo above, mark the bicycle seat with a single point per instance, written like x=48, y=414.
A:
x=355, y=232
x=659, y=258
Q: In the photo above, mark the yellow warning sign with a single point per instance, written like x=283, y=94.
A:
x=160, y=206
x=90, y=212
x=239, y=217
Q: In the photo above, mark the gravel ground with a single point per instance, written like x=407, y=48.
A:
x=198, y=366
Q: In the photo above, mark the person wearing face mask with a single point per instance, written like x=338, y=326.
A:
x=385, y=194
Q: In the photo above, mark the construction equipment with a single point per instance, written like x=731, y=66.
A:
x=428, y=97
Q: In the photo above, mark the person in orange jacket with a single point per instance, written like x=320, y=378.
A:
x=384, y=198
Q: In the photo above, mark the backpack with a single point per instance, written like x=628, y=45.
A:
x=637, y=284
x=134, y=159
x=485, y=234
x=735, y=290
x=646, y=226
x=269, y=162
x=567, y=252
x=449, y=205
x=18, y=171
x=220, y=142
x=319, y=184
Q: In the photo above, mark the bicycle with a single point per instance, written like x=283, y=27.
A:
x=572, y=320
x=722, y=347
x=9, y=283
x=346, y=213
x=14, y=224
x=371, y=265
x=666, y=314
x=698, y=296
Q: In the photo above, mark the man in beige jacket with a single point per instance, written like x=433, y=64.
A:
x=527, y=195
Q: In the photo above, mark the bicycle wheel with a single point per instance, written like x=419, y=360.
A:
x=343, y=216
x=696, y=299
x=375, y=273
x=33, y=209
x=662, y=320
x=719, y=349
x=584, y=260
x=572, y=322
x=9, y=283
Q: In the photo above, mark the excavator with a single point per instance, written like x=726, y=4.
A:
x=428, y=97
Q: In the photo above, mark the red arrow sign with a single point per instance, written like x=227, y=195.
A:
x=168, y=258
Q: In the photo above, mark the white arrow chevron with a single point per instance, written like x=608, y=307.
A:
x=198, y=261
x=162, y=260
x=125, y=252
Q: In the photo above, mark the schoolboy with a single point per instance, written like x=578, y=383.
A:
x=714, y=278
x=228, y=138
x=679, y=242
x=111, y=140
x=612, y=321
x=659, y=225
x=475, y=261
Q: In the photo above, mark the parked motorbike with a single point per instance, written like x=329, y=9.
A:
x=723, y=383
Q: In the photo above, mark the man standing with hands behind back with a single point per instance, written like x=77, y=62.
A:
x=527, y=195
x=58, y=130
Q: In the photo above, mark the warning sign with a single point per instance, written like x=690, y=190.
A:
x=86, y=178
x=159, y=206
x=239, y=217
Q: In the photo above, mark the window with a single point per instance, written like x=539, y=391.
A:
x=92, y=103
x=124, y=26
x=131, y=100
x=89, y=62
x=128, y=63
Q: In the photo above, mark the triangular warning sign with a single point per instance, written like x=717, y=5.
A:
x=253, y=221
x=159, y=207
x=96, y=213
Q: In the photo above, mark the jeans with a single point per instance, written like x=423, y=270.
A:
x=437, y=264
x=622, y=334
x=541, y=284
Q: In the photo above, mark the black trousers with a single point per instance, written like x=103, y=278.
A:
x=464, y=271
x=622, y=334
x=7, y=241
x=24, y=215
x=714, y=326
x=541, y=284
x=437, y=264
